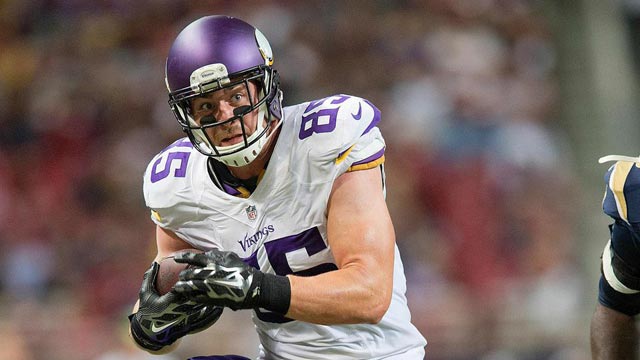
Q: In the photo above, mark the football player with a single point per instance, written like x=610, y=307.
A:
x=613, y=329
x=288, y=203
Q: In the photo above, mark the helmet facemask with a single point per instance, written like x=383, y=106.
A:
x=212, y=78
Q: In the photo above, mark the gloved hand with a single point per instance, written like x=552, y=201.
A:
x=161, y=320
x=221, y=278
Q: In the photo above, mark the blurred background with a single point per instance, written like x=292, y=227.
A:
x=495, y=113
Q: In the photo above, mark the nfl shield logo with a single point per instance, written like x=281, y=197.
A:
x=252, y=213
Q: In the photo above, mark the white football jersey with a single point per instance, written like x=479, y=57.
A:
x=281, y=228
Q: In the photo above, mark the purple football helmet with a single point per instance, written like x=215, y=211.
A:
x=216, y=52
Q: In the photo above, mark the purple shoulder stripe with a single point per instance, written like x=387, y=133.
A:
x=376, y=117
x=371, y=158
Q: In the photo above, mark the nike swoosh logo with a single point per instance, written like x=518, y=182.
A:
x=358, y=115
x=160, y=328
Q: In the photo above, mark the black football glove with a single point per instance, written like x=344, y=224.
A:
x=221, y=278
x=161, y=320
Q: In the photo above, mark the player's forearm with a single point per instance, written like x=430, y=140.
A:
x=346, y=296
x=613, y=335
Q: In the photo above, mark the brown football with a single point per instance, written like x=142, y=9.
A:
x=169, y=271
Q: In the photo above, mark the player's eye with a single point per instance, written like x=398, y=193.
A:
x=207, y=106
x=203, y=108
x=237, y=97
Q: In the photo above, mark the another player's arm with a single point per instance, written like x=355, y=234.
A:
x=613, y=329
x=613, y=335
x=362, y=239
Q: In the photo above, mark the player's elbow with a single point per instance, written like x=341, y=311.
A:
x=376, y=315
x=377, y=307
x=371, y=293
x=382, y=308
x=376, y=292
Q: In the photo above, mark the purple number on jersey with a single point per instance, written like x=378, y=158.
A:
x=311, y=241
x=181, y=171
x=321, y=121
x=181, y=156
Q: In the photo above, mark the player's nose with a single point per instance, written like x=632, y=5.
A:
x=224, y=111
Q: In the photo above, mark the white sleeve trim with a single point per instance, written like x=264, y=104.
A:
x=610, y=276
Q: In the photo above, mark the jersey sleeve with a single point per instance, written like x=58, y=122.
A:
x=363, y=145
x=628, y=304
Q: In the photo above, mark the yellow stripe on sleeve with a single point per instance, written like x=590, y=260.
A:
x=156, y=215
x=344, y=155
x=369, y=165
